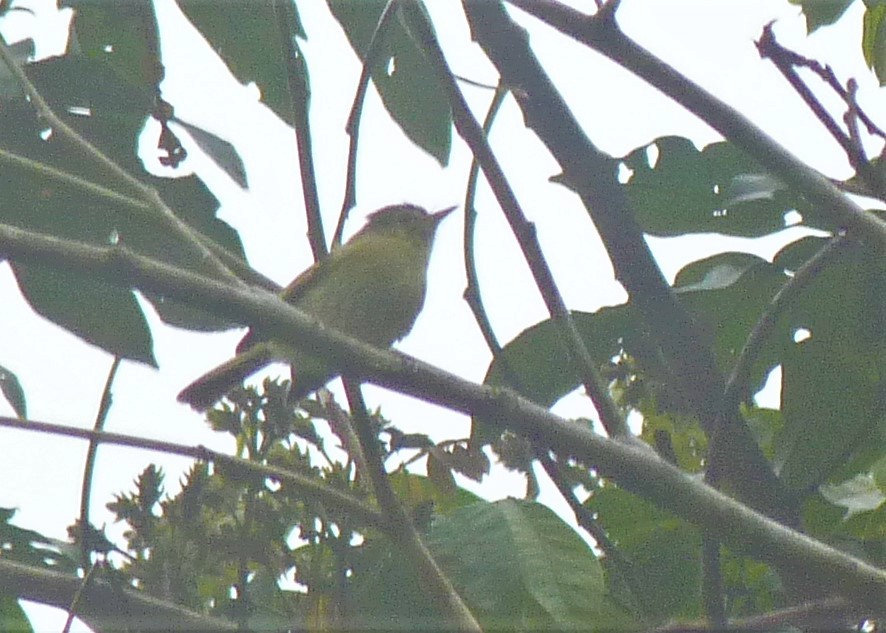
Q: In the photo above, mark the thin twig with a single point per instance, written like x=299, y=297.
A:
x=353, y=125
x=399, y=524
x=300, y=100
x=78, y=596
x=737, y=386
x=310, y=487
x=712, y=591
x=473, y=298
x=472, y=293
x=771, y=47
x=786, y=61
x=86, y=488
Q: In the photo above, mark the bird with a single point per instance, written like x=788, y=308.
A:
x=371, y=288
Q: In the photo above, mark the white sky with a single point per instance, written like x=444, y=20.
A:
x=711, y=42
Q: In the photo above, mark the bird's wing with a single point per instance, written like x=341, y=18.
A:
x=298, y=286
x=308, y=279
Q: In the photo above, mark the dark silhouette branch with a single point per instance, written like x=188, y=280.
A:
x=399, y=525
x=101, y=416
x=592, y=175
x=300, y=100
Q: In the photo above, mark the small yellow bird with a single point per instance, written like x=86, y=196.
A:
x=372, y=288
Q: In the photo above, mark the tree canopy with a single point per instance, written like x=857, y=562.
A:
x=691, y=504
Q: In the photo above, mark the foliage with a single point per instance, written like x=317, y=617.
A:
x=224, y=529
x=325, y=548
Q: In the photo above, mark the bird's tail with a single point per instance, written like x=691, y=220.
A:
x=212, y=386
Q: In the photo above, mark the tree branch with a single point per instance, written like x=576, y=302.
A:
x=632, y=464
x=399, y=526
x=300, y=99
x=101, y=416
x=591, y=173
x=101, y=606
x=352, y=127
x=310, y=487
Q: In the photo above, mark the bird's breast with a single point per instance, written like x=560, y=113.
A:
x=374, y=292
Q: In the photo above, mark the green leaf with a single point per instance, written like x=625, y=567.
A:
x=870, y=526
x=521, y=568
x=828, y=402
x=873, y=43
x=12, y=617
x=13, y=392
x=714, y=273
x=415, y=490
x=122, y=36
x=20, y=52
x=878, y=471
x=116, y=114
x=822, y=12
x=715, y=190
x=821, y=518
x=32, y=548
x=97, y=312
x=246, y=35
x=515, y=563
x=853, y=509
x=750, y=586
x=401, y=74
x=833, y=381
x=765, y=424
x=440, y=473
x=686, y=439
x=726, y=293
x=858, y=494
x=538, y=365
x=663, y=551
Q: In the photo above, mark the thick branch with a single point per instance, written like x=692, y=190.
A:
x=101, y=606
x=631, y=464
x=592, y=174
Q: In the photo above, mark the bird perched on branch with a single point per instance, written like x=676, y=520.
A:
x=372, y=288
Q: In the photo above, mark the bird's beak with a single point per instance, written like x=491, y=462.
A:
x=439, y=215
